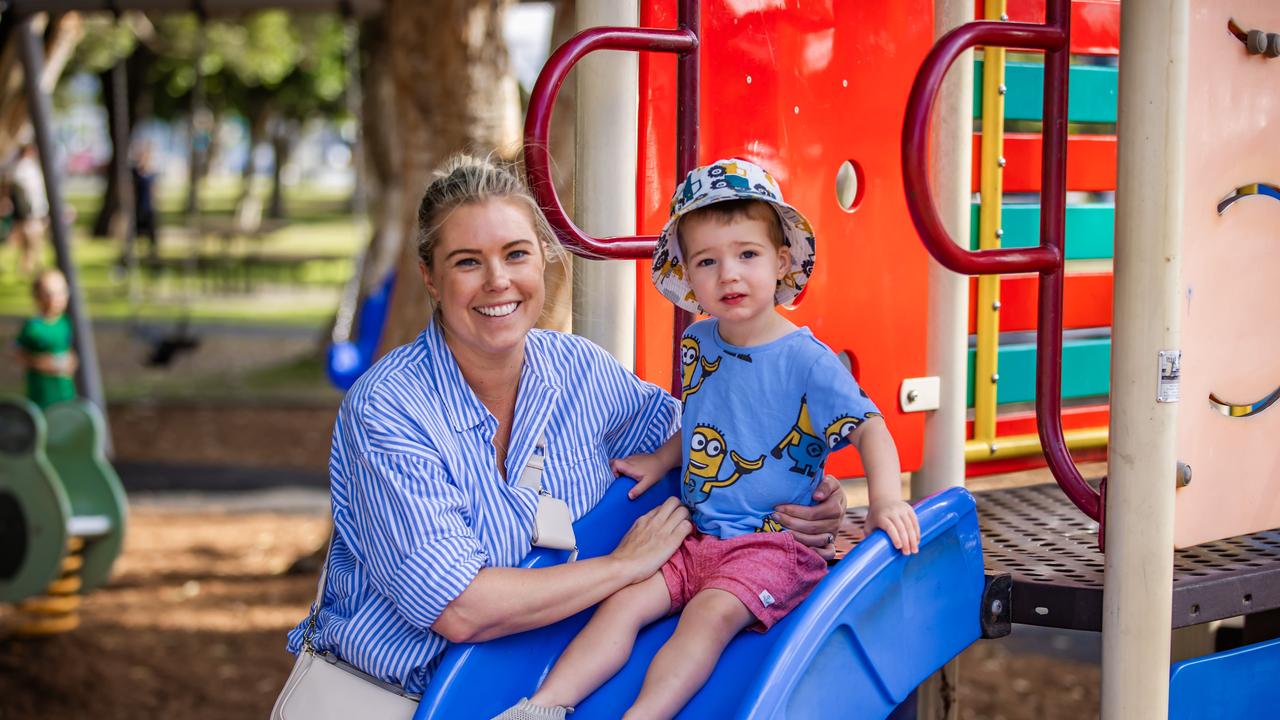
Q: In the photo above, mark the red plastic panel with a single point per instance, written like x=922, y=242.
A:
x=1087, y=302
x=801, y=87
x=1091, y=162
x=1095, y=24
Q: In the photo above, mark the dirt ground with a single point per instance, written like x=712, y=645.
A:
x=192, y=625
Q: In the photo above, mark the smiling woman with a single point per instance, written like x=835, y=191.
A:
x=430, y=517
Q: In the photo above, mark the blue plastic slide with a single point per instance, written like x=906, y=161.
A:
x=347, y=360
x=1230, y=685
x=875, y=628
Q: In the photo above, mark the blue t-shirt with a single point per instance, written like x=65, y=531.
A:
x=758, y=424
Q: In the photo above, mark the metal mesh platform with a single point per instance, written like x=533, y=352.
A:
x=1050, y=550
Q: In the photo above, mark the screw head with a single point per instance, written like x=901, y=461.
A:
x=995, y=377
x=1000, y=162
x=1273, y=45
x=997, y=607
x=999, y=232
x=1002, y=89
x=995, y=305
x=912, y=396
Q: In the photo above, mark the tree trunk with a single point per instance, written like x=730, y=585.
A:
x=281, y=147
x=454, y=92
x=384, y=191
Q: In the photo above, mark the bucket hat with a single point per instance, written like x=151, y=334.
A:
x=723, y=180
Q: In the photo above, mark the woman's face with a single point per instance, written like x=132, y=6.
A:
x=486, y=276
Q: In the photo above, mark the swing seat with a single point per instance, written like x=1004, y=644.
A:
x=873, y=629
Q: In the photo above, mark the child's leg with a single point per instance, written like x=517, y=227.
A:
x=684, y=663
x=604, y=645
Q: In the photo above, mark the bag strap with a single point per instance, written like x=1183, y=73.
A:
x=315, y=607
x=531, y=476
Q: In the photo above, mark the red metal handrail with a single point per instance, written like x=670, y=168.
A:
x=537, y=127
x=1047, y=258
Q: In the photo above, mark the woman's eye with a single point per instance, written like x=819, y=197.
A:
x=467, y=262
x=518, y=255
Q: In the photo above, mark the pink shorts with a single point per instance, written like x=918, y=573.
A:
x=771, y=573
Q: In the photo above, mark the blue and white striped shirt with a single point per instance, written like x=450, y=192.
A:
x=418, y=504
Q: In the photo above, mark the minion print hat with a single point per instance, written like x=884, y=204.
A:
x=731, y=179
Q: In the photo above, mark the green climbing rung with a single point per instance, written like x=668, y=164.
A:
x=1090, y=229
x=1086, y=371
x=1091, y=97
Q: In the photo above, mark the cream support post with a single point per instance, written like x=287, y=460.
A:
x=604, y=291
x=943, y=463
x=1137, y=599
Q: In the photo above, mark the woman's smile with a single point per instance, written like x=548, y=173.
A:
x=498, y=311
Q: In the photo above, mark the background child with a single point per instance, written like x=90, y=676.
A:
x=765, y=402
x=44, y=343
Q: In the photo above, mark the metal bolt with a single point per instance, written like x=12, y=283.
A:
x=992, y=447
x=995, y=304
x=1184, y=474
x=1000, y=162
x=1002, y=89
x=997, y=607
x=995, y=377
x=1004, y=17
x=999, y=232
x=912, y=396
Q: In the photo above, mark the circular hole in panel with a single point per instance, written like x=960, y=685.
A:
x=850, y=185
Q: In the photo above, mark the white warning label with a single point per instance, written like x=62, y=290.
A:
x=1170, y=388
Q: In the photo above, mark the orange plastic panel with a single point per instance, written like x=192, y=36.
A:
x=1087, y=301
x=1230, y=266
x=1091, y=162
x=801, y=87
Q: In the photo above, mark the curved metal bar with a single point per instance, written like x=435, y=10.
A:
x=1243, y=409
x=537, y=129
x=1245, y=191
x=1047, y=259
x=915, y=144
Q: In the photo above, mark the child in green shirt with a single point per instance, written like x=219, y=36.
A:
x=44, y=343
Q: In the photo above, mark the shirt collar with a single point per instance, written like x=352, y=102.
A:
x=464, y=409
x=461, y=405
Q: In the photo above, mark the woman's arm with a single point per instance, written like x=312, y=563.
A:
x=504, y=601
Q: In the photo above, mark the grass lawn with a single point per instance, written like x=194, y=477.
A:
x=291, y=274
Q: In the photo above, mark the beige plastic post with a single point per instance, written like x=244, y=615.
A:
x=943, y=463
x=1138, y=593
x=604, y=291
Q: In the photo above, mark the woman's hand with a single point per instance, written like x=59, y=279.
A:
x=898, y=520
x=816, y=525
x=652, y=539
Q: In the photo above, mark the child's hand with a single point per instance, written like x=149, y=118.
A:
x=646, y=469
x=898, y=520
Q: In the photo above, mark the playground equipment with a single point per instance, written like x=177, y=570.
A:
x=848, y=634
x=62, y=511
x=347, y=359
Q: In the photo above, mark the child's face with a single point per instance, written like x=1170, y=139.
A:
x=51, y=296
x=734, y=267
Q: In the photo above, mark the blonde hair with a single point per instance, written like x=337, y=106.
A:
x=466, y=180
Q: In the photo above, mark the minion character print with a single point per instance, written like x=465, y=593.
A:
x=690, y=359
x=840, y=429
x=802, y=444
x=707, y=451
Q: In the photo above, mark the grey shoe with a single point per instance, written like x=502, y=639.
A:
x=525, y=710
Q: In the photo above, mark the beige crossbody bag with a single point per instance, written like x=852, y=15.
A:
x=322, y=687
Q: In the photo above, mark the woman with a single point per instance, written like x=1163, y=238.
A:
x=430, y=442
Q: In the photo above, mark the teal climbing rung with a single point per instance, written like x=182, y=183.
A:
x=1090, y=229
x=1086, y=371
x=1091, y=98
